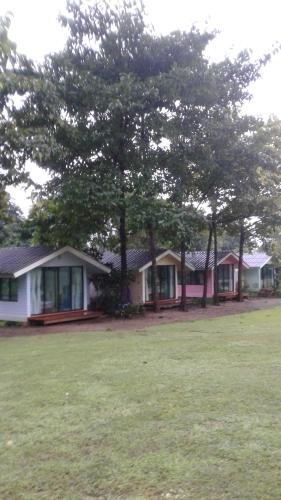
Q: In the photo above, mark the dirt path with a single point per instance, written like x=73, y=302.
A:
x=149, y=319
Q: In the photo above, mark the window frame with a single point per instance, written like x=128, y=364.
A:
x=12, y=297
x=193, y=278
x=57, y=278
x=171, y=281
x=267, y=276
x=225, y=274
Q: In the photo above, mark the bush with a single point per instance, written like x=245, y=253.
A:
x=108, y=299
x=128, y=311
x=10, y=323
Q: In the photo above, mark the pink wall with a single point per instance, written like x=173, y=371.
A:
x=197, y=290
x=230, y=260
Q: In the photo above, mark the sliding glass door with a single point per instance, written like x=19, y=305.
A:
x=267, y=276
x=77, y=288
x=225, y=278
x=64, y=297
x=165, y=283
x=50, y=297
x=56, y=289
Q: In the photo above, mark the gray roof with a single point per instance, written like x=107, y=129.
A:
x=135, y=258
x=138, y=258
x=198, y=259
x=257, y=259
x=12, y=259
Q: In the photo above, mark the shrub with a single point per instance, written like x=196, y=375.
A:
x=108, y=287
x=128, y=311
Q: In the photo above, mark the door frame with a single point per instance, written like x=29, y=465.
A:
x=56, y=269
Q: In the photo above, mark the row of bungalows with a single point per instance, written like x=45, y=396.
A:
x=258, y=273
x=40, y=284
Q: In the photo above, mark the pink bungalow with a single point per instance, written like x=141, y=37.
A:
x=227, y=274
x=168, y=271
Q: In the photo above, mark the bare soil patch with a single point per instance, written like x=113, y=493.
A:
x=149, y=319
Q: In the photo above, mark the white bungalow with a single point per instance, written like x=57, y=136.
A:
x=260, y=273
x=39, y=283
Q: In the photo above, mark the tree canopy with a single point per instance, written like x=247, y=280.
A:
x=141, y=134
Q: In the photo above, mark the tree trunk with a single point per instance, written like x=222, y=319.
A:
x=183, y=305
x=205, y=288
x=155, y=295
x=240, y=263
x=123, y=252
x=216, y=298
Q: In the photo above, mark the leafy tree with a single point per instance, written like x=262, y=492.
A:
x=201, y=130
x=114, y=80
x=253, y=206
x=13, y=231
x=16, y=78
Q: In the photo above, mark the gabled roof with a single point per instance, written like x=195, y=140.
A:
x=198, y=259
x=257, y=259
x=16, y=261
x=138, y=259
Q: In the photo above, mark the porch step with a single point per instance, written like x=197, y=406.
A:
x=63, y=317
x=231, y=296
x=167, y=303
x=265, y=292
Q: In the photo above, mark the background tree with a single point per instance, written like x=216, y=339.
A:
x=253, y=206
x=13, y=229
x=17, y=76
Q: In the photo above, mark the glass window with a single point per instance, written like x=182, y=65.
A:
x=77, y=288
x=64, y=289
x=50, y=290
x=8, y=289
x=192, y=278
x=267, y=275
x=55, y=289
x=165, y=282
x=37, y=298
x=5, y=289
x=225, y=277
x=13, y=290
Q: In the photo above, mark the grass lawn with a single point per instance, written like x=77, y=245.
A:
x=190, y=410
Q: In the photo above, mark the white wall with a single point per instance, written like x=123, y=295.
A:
x=66, y=259
x=16, y=311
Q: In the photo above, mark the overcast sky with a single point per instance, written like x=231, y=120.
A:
x=251, y=24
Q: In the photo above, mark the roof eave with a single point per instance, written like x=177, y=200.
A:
x=232, y=254
x=266, y=262
x=161, y=256
x=56, y=253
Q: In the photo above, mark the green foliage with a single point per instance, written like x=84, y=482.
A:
x=17, y=77
x=129, y=311
x=108, y=102
x=140, y=132
x=13, y=228
x=108, y=292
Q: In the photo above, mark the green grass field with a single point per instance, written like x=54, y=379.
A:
x=190, y=410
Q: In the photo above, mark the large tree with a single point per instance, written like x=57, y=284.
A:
x=114, y=80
